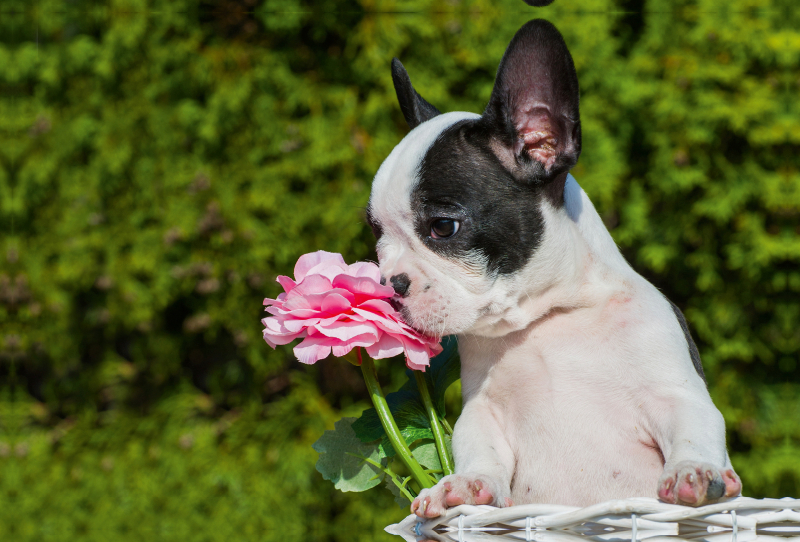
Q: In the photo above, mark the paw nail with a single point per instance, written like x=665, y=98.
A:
x=709, y=475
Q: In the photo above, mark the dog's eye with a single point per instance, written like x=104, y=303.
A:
x=442, y=228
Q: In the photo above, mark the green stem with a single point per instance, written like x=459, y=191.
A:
x=400, y=485
x=447, y=427
x=389, y=425
x=438, y=432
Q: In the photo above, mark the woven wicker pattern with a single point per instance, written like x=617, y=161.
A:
x=738, y=520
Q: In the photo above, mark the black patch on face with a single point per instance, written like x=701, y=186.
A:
x=461, y=178
x=492, y=174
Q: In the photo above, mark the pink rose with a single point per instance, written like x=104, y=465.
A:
x=336, y=307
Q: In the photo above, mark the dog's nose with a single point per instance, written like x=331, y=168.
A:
x=401, y=283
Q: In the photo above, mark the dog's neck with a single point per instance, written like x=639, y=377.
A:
x=578, y=266
x=569, y=271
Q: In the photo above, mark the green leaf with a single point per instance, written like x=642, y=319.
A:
x=399, y=498
x=427, y=455
x=445, y=369
x=406, y=405
x=409, y=414
x=340, y=453
x=410, y=434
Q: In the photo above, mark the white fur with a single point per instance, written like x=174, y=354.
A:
x=448, y=305
x=576, y=374
x=593, y=379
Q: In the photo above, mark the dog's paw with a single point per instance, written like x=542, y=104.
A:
x=458, y=489
x=695, y=484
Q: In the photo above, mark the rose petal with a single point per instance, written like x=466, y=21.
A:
x=316, y=301
x=287, y=283
x=345, y=331
x=356, y=317
x=296, y=302
x=313, y=349
x=276, y=334
x=363, y=285
x=379, y=306
x=387, y=347
x=414, y=367
x=278, y=340
x=299, y=325
x=308, y=261
x=386, y=324
x=359, y=340
x=365, y=269
x=326, y=322
x=312, y=284
x=329, y=270
x=296, y=314
x=416, y=355
x=273, y=325
x=335, y=303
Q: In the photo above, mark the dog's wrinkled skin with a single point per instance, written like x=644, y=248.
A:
x=580, y=380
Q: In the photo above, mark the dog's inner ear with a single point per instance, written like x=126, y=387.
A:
x=415, y=109
x=532, y=114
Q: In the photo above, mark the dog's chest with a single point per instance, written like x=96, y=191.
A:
x=570, y=400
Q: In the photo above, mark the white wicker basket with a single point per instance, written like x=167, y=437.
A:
x=737, y=520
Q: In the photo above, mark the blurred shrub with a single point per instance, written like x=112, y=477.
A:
x=163, y=161
x=174, y=476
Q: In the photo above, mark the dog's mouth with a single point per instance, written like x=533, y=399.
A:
x=404, y=311
x=396, y=304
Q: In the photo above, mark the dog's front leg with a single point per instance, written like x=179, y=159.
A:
x=697, y=468
x=484, y=465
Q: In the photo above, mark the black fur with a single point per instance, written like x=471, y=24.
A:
x=693, y=352
x=537, y=69
x=539, y=3
x=462, y=179
x=415, y=109
x=479, y=173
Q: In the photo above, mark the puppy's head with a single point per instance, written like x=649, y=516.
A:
x=459, y=206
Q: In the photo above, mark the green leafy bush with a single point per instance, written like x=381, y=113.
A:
x=163, y=161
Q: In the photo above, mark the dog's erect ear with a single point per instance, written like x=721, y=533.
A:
x=533, y=113
x=415, y=109
x=539, y=3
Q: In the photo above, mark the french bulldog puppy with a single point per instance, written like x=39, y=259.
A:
x=581, y=382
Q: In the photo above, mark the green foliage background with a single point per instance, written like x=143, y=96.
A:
x=163, y=161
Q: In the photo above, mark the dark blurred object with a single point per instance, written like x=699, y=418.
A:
x=232, y=19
